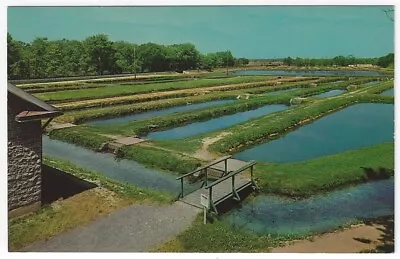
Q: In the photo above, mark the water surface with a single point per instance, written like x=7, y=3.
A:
x=329, y=93
x=354, y=127
x=389, y=92
x=306, y=72
x=145, y=115
x=215, y=124
x=277, y=215
x=372, y=83
x=106, y=164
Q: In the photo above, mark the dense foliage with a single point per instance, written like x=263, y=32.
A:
x=97, y=55
x=339, y=61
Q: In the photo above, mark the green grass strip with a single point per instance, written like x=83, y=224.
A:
x=120, y=90
x=303, y=179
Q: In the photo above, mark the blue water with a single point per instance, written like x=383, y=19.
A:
x=305, y=73
x=372, y=83
x=215, y=124
x=150, y=114
x=106, y=164
x=277, y=215
x=329, y=93
x=353, y=127
x=389, y=92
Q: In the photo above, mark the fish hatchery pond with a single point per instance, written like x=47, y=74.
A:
x=354, y=127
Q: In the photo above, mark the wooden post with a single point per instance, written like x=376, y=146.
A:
x=206, y=180
x=226, y=166
x=182, y=187
x=210, y=200
x=205, y=215
x=235, y=194
x=252, y=177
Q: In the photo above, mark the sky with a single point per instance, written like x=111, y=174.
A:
x=248, y=31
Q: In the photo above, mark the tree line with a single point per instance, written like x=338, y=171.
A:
x=385, y=61
x=97, y=55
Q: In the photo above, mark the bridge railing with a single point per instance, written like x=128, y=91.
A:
x=232, y=175
x=204, y=169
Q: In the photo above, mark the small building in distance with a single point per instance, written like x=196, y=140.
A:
x=24, y=116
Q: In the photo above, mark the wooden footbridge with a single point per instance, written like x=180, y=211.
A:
x=222, y=179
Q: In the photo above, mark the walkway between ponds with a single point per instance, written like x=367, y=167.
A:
x=137, y=228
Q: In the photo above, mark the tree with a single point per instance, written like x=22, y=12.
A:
x=288, y=61
x=101, y=53
x=13, y=56
x=126, y=58
x=386, y=61
x=208, y=61
x=97, y=55
x=241, y=62
x=184, y=56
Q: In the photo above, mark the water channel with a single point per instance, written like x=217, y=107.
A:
x=267, y=214
x=106, y=164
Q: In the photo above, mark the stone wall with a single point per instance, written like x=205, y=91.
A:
x=24, y=157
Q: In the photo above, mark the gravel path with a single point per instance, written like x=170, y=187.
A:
x=137, y=228
x=352, y=240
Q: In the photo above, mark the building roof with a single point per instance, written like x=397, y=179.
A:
x=43, y=110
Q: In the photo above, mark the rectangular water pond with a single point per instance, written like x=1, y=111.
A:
x=329, y=93
x=145, y=115
x=354, y=127
x=215, y=124
x=320, y=213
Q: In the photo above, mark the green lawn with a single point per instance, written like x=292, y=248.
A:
x=119, y=90
x=302, y=179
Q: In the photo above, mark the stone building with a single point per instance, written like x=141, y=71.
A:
x=24, y=116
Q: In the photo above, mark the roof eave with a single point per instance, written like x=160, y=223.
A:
x=36, y=117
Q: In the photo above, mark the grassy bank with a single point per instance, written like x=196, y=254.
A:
x=80, y=136
x=303, y=179
x=79, y=209
x=220, y=237
x=146, y=155
x=120, y=110
x=81, y=116
x=85, y=85
x=158, y=158
x=227, y=89
x=120, y=90
x=65, y=82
